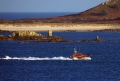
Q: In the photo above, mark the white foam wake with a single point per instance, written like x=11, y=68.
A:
x=38, y=58
x=35, y=58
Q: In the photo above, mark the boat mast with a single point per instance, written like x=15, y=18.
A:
x=75, y=50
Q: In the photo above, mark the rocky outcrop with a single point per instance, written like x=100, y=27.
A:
x=25, y=34
x=97, y=39
x=32, y=36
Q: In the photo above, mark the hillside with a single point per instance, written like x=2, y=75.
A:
x=105, y=13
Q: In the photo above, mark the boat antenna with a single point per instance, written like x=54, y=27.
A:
x=75, y=50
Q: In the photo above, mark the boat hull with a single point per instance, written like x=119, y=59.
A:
x=83, y=58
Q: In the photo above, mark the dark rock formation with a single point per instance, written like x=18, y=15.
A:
x=97, y=39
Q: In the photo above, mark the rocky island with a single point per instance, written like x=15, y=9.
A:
x=31, y=36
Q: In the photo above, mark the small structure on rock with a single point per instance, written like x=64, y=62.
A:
x=98, y=39
x=50, y=33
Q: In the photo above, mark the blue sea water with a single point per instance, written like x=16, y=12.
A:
x=23, y=15
x=50, y=61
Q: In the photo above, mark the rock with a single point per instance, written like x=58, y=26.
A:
x=97, y=39
x=25, y=34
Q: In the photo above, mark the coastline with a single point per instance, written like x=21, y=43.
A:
x=57, y=27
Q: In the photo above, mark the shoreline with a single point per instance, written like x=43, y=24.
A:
x=58, y=27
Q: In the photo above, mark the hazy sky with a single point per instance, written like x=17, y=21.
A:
x=47, y=5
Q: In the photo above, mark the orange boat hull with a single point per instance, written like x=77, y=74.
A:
x=80, y=57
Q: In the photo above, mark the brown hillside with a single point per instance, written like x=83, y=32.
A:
x=106, y=12
x=96, y=14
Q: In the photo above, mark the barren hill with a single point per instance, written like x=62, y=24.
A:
x=106, y=12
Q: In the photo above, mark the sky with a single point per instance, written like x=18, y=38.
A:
x=47, y=5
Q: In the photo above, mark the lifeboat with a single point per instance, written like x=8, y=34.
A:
x=80, y=56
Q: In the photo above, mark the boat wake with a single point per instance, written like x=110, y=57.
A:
x=36, y=58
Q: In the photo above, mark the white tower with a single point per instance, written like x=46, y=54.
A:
x=50, y=33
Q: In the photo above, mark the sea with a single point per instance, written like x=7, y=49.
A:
x=50, y=61
x=25, y=15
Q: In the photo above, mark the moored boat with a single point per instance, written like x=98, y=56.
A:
x=80, y=56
